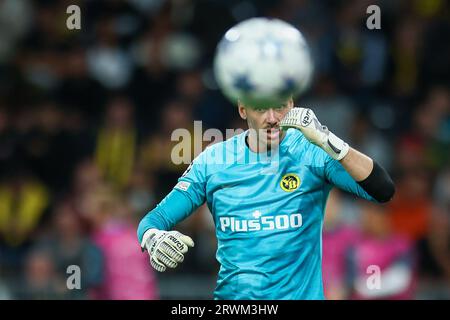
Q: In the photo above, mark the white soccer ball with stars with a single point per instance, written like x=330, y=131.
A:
x=262, y=62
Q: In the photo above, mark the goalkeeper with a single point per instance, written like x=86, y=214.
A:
x=266, y=189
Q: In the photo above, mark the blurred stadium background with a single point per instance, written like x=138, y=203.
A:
x=86, y=117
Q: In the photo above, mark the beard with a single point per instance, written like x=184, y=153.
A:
x=269, y=139
x=266, y=139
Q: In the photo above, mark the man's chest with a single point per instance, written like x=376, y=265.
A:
x=259, y=181
x=257, y=197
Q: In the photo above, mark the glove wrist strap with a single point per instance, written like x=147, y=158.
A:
x=150, y=233
x=336, y=147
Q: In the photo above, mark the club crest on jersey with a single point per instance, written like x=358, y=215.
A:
x=290, y=182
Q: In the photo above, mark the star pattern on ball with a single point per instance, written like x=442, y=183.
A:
x=242, y=83
x=289, y=86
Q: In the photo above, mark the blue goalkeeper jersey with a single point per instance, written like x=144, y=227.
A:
x=268, y=210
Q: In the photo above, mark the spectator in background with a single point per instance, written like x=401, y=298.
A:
x=23, y=204
x=80, y=142
x=15, y=20
x=77, y=89
x=126, y=272
x=67, y=245
x=371, y=141
x=435, y=259
x=8, y=139
x=437, y=106
x=107, y=61
x=140, y=192
x=87, y=179
x=405, y=52
x=426, y=143
x=46, y=145
x=391, y=254
x=411, y=208
x=206, y=105
x=157, y=150
x=117, y=143
x=440, y=235
x=337, y=241
x=153, y=81
x=421, y=154
x=5, y=292
x=359, y=56
x=40, y=280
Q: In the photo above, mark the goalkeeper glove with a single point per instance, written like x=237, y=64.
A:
x=165, y=248
x=306, y=121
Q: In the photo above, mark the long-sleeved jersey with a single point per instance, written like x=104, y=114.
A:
x=268, y=210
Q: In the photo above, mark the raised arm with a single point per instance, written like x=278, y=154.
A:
x=352, y=170
x=357, y=164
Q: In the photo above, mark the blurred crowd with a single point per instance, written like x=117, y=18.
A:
x=86, y=118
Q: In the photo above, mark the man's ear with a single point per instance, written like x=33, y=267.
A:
x=242, y=110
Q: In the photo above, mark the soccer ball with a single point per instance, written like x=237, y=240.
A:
x=263, y=62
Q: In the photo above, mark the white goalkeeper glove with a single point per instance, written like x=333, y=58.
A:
x=306, y=121
x=165, y=248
